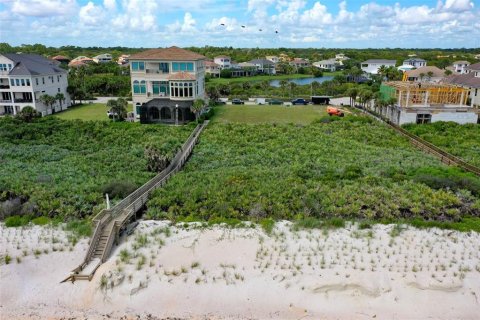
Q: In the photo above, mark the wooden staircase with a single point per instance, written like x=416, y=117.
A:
x=109, y=223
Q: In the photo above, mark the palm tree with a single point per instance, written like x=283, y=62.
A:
x=382, y=71
x=448, y=72
x=212, y=93
x=47, y=100
x=283, y=85
x=265, y=85
x=365, y=96
x=292, y=86
x=352, y=93
x=118, y=108
x=197, y=107
x=315, y=86
x=430, y=75
x=60, y=97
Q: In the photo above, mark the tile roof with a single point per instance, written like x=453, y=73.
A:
x=461, y=62
x=437, y=73
x=31, y=64
x=261, y=61
x=475, y=66
x=59, y=57
x=467, y=80
x=181, y=76
x=172, y=53
x=209, y=63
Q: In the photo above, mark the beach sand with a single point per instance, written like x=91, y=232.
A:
x=191, y=271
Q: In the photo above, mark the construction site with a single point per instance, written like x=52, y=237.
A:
x=415, y=102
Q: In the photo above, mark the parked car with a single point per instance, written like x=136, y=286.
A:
x=274, y=101
x=237, y=101
x=300, y=101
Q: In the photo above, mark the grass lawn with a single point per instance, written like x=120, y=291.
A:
x=267, y=77
x=93, y=111
x=269, y=114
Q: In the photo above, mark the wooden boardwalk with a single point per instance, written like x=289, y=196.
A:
x=108, y=223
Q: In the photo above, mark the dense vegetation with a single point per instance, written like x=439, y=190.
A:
x=55, y=167
x=460, y=140
x=350, y=168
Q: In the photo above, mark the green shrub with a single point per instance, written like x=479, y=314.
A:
x=41, y=221
x=118, y=188
x=16, y=221
x=81, y=228
x=267, y=225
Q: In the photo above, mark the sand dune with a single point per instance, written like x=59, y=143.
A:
x=194, y=272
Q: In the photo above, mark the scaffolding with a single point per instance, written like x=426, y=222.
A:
x=411, y=94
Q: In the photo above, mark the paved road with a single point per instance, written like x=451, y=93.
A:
x=103, y=100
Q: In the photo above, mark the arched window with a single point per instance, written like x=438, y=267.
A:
x=165, y=113
x=154, y=114
x=139, y=87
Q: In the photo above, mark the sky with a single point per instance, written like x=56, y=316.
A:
x=300, y=23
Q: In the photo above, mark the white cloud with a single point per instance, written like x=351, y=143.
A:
x=459, y=5
x=43, y=8
x=91, y=14
x=315, y=16
x=110, y=4
x=188, y=24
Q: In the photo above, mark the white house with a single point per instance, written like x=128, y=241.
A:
x=103, y=58
x=165, y=82
x=341, y=57
x=264, y=66
x=225, y=62
x=471, y=81
x=24, y=78
x=371, y=66
x=415, y=62
x=329, y=64
x=212, y=68
x=460, y=66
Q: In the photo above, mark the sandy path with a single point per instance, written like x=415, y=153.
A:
x=220, y=273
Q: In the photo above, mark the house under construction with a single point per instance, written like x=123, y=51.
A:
x=417, y=102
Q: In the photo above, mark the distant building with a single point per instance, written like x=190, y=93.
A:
x=426, y=74
x=212, y=69
x=426, y=102
x=165, y=82
x=61, y=59
x=274, y=59
x=405, y=67
x=263, y=66
x=123, y=59
x=371, y=66
x=224, y=62
x=24, y=78
x=341, y=57
x=460, y=66
x=328, y=65
x=471, y=81
x=477, y=56
x=299, y=63
x=80, y=61
x=283, y=57
x=103, y=58
x=415, y=62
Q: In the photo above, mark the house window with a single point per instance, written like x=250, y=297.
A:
x=182, y=89
x=138, y=66
x=139, y=87
x=36, y=81
x=58, y=78
x=182, y=66
x=28, y=82
x=58, y=89
x=23, y=82
x=424, y=118
x=164, y=67
x=43, y=80
x=160, y=88
x=17, y=82
x=51, y=77
x=12, y=82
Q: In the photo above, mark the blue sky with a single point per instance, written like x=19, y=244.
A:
x=300, y=23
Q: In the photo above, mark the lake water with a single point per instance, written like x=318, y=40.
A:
x=302, y=81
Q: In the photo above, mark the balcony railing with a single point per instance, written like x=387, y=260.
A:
x=23, y=100
x=156, y=71
x=5, y=100
x=4, y=86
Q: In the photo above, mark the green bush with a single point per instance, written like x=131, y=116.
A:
x=118, y=188
x=41, y=221
x=16, y=221
x=80, y=228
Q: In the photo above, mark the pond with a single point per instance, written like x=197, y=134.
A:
x=302, y=81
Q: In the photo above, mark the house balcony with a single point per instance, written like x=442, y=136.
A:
x=156, y=71
x=5, y=100
x=4, y=86
x=23, y=100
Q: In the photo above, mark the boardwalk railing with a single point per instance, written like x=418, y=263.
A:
x=108, y=223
